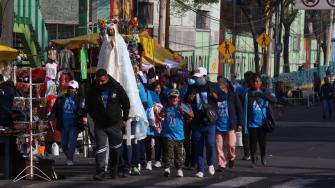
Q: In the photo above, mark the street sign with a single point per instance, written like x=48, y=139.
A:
x=264, y=40
x=148, y=46
x=314, y=4
x=279, y=48
x=226, y=48
x=228, y=61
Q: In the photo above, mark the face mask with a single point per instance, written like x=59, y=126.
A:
x=191, y=81
x=257, y=85
x=102, y=87
x=72, y=93
x=200, y=81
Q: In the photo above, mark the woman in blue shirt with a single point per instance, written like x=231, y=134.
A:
x=257, y=110
x=230, y=120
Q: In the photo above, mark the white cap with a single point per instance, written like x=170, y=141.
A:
x=200, y=72
x=74, y=84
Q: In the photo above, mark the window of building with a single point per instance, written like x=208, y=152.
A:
x=296, y=43
x=146, y=13
x=202, y=20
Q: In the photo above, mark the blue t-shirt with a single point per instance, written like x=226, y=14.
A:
x=69, y=112
x=200, y=100
x=258, y=112
x=104, y=97
x=223, y=124
x=155, y=97
x=173, y=125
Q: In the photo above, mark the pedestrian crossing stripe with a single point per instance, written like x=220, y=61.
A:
x=295, y=183
x=237, y=182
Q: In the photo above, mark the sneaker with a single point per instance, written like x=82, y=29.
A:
x=231, y=163
x=263, y=160
x=69, y=163
x=167, y=172
x=246, y=158
x=199, y=175
x=149, y=166
x=211, y=170
x=99, y=177
x=180, y=173
x=158, y=164
x=135, y=171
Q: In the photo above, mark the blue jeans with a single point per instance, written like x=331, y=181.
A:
x=126, y=157
x=327, y=108
x=69, y=141
x=204, y=136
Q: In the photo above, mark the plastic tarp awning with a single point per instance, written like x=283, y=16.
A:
x=79, y=41
x=7, y=53
x=159, y=55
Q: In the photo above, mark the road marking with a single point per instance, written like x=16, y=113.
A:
x=176, y=182
x=237, y=182
x=296, y=183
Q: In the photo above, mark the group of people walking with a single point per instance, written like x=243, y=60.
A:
x=190, y=114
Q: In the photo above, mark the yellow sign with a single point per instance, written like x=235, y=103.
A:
x=228, y=61
x=148, y=45
x=213, y=67
x=226, y=48
x=264, y=40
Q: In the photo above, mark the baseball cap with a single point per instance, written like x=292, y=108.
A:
x=74, y=84
x=200, y=72
x=174, y=93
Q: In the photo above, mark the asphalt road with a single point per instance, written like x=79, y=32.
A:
x=300, y=154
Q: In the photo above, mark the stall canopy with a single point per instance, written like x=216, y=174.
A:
x=153, y=52
x=8, y=53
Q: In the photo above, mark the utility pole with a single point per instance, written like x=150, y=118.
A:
x=329, y=37
x=167, y=25
x=162, y=22
x=278, y=33
x=221, y=39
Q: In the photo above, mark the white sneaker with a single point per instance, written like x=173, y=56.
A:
x=180, y=173
x=199, y=175
x=158, y=164
x=167, y=172
x=149, y=166
x=211, y=170
x=69, y=163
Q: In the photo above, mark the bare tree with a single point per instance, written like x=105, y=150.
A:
x=289, y=14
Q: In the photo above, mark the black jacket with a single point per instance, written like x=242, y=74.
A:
x=194, y=90
x=57, y=110
x=235, y=110
x=118, y=104
x=7, y=92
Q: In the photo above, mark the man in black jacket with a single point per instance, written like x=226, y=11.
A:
x=7, y=92
x=108, y=105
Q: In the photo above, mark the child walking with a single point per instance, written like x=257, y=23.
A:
x=173, y=132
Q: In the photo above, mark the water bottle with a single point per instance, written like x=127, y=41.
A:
x=55, y=149
x=239, y=142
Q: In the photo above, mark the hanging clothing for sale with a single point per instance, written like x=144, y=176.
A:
x=66, y=59
x=83, y=63
x=51, y=70
x=93, y=54
x=51, y=88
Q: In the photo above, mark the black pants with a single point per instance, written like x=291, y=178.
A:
x=159, y=147
x=257, y=135
x=148, y=148
x=114, y=136
x=189, y=146
x=246, y=144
